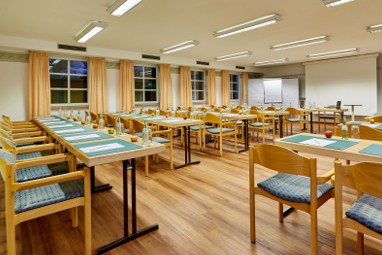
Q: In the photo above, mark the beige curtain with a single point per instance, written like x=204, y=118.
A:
x=97, y=85
x=165, y=81
x=245, y=88
x=225, y=87
x=39, y=84
x=211, y=87
x=126, y=86
x=185, y=87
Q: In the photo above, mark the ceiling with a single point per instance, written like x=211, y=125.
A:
x=154, y=24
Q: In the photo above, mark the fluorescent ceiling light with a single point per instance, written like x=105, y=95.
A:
x=336, y=53
x=331, y=3
x=374, y=28
x=249, y=25
x=180, y=46
x=120, y=7
x=234, y=55
x=305, y=42
x=271, y=62
x=91, y=29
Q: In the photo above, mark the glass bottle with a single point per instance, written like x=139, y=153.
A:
x=344, y=129
x=119, y=127
x=157, y=111
x=79, y=117
x=146, y=135
x=88, y=119
x=101, y=122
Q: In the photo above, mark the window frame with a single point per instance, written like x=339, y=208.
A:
x=193, y=88
x=231, y=82
x=68, y=89
x=144, y=102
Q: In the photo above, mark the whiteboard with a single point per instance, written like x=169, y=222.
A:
x=273, y=91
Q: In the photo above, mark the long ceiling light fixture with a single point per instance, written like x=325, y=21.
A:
x=300, y=43
x=91, y=29
x=271, y=62
x=331, y=3
x=234, y=55
x=120, y=7
x=337, y=53
x=249, y=25
x=374, y=28
x=180, y=46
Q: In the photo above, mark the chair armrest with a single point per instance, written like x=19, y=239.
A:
x=161, y=132
x=23, y=130
x=46, y=160
x=27, y=134
x=31, y=139
x=34, y=148
x=325, y=177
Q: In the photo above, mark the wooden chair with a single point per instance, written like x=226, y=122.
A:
x=33, y=199
x=295, y=184
x=127, y=126
x=95, y=117
x=262, y=123
x=377, y=118
x=17, y=124
x=110, y=120
x=369, y=133
x=221, y=129
x=296, y=116
x=365, y=215
x=157, y=136
x=336, y=117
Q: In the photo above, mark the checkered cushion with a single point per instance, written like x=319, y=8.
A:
x=34, y=155
x=217, y=130
x=159, y=139
x=239, y=122
x=292, y=188
x=293, y=119
x=126, y=130
x=41, y=196
x=7, y=156
x=196, y=127
x=259, y=124
x=367, y=211
x=11, y=143
x=31, y=173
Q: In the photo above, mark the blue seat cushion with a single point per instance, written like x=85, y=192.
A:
x=45, y=195
x=126, y=130
x=239, y=122
x=293, y=119
x=36, y=172
x=259, y=124
x=139, y=134
x=217, y=130
x=33, y=155
x=293, y=188
x=367, y=211
x=159, y=139
x=196, y=127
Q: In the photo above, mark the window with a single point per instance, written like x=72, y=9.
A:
x=234, y=86
x=68, y=81
x=146, y=87
x=197, y=81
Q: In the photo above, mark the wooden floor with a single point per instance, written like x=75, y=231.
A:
x=201, y=209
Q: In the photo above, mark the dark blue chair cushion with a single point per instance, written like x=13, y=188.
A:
x=367, y=211
x=259, y=124
x=293, y=119
x=196, y=127
x=36, y=172
x=159, y=139
x=9, y=157
x=217, y=130
x=50, y=194
x=293, y=188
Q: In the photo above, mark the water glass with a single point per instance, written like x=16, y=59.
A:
x=355, y=131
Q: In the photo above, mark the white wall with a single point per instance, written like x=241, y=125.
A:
x=14, y=89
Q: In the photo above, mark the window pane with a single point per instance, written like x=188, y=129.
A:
x=139, y=96
x=150, y=96
x=200, y=95
x=199, y=76
x=138, y=71
x=78, y=67
x=138, y=84
x=79, y=82
x=150, y=72
x=58, y=66
x=58, y=96
x=150, y=84
x=58, y=81
x=200, y=85
x=234, y=86
x=234, y=95
x=234, y=78
x=79, y=96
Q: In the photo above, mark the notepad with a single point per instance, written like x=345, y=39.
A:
x=81, y=137
x=317, y=142
x=61, y=126
x=70, y=130
x=103, y=147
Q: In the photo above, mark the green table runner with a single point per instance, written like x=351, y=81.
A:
x=374, y=149
x=107, y=147
x=337, y=145
x=83, y=137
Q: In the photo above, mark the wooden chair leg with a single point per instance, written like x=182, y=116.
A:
x=147, y=165
x=281, y=213
x=87, y=216
x=74, y=213
x=360, y=243
x=221, y=145
x=252, y=219
x=313, y=233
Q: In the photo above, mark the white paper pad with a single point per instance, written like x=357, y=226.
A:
x=103, y=147
x=49, y=120
x=70, y=130
x=81, y=137
x=53, y=122
x=58, y=126
x=317, y=142
x=172, y=120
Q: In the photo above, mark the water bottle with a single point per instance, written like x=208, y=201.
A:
x=146, y=135
x=101, y=122
x=192, y=115
x=157, y=111
x=79, y=117
x=88, y=119
x=344, y=129
x=119, y=127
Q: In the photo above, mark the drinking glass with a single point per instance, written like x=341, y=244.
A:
x=355, y=131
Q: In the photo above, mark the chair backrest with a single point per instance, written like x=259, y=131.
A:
x=7, y=144
x=94, y=117
x=233, y=110
x=137, y=126
x=212, y=118
x=126, y=123
x=376, y=118
x=270, y=108
x=338, y=105
x=369, y=133
x=283, y=160
x=365, y=177
x=293, y=111
x=111, y=120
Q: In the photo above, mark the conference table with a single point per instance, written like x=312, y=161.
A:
x=335, y=147
x=95, y=147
